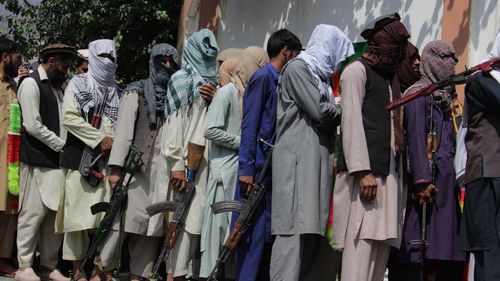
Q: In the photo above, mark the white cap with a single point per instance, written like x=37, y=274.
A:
x=83, y=53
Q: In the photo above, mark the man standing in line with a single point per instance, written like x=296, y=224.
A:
x=42, y=178
x=306, y=123
x=259, y=122
x=189, y=91
x=368, y=196
x=481, y=218
x=10, y=119
x=84, y=94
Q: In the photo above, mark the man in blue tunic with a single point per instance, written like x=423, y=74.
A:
x=258, y=122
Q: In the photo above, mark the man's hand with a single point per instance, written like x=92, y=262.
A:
x=207, y=92
x=424, y=193
x=178, y=179
x=106, y=144
x=367, y=185
x=114, y=176
x=246, y=183
x=22, y=71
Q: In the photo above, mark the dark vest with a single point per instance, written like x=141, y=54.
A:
x=73, y=149
x=376, y=123
x=144, y=135
x=483, y=129
x=32, y=151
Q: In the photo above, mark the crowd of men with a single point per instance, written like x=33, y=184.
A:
x=234, y=111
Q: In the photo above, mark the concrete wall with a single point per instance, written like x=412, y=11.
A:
x=243, y=23
x=484, y=25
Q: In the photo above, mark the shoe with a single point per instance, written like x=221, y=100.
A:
x=7, y=270
x=54, y=275
x=27, y=274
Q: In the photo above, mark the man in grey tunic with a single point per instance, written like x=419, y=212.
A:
x=302, y=165
x=139, y=119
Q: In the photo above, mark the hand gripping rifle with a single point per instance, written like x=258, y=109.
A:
x=91, y=157
x=245, y=209
x=133, y=164
x=460, y=78
x=180, y=207
x=432, y=147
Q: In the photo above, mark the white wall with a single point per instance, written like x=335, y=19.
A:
x=484, y=25
x=251, y=22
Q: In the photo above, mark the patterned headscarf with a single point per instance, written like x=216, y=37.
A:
x=99, y=82
x=199, y=66
x=155, y=88
x=438, y=62
x=229, y=53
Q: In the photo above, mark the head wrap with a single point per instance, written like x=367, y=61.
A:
x=98, y=83
x=326, y=50
x=83, y=54
x=252, y=59
x=199, y=66
x=438, y=62
x=387, y=40
x=155, y=88
x=495, y=53
x=406, y=74
x=229, y=53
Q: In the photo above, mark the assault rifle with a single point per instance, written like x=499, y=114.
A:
x=90, y=158
x=180, y=207
x=133, y=164
x=460, y=78
x=246, y=210
x=432, y=147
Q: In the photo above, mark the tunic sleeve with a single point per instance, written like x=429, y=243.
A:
x=76, y=124
x=352, y=83
x=29, y=100
x=254, y=101
x=173, y=141
x=416, y=130
x=303, y=90
x=124, y=132
x=216, y=119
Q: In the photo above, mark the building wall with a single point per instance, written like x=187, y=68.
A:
x=484, y=25
x=243, y=23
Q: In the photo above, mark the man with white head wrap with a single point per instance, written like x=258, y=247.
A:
x=188, y=91
x=85, y=92
x=139, y=120
x=302, y=168
x=481, y=219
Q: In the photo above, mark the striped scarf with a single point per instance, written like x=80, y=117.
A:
x=183, y=90
x=14, y=139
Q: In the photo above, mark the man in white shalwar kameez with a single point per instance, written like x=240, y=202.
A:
x=83, y=94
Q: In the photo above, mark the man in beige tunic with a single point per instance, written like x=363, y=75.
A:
x=185, y=110
x=10, y=118
x=139, y=119
x=368, y=197
x=42, y=178
x=86, y=92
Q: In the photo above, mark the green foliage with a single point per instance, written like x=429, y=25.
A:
x=134, y=25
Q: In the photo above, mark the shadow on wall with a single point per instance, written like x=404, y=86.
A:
x=244, y=23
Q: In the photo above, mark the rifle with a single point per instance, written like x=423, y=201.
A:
x=246, y=210
x=89, y=159
x=180, y=207
x=133, y=164
x=432, y=147
x=457, y=79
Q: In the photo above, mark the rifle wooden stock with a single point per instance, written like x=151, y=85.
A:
x=234, y=237
x=459, y=78
x=195, y=154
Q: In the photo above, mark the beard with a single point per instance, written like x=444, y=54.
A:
x=56, y=77
x=10, y=70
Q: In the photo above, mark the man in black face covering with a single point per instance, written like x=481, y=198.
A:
x=140, y=115
x=42, y=179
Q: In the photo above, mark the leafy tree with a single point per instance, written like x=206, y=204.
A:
x=134, y=25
